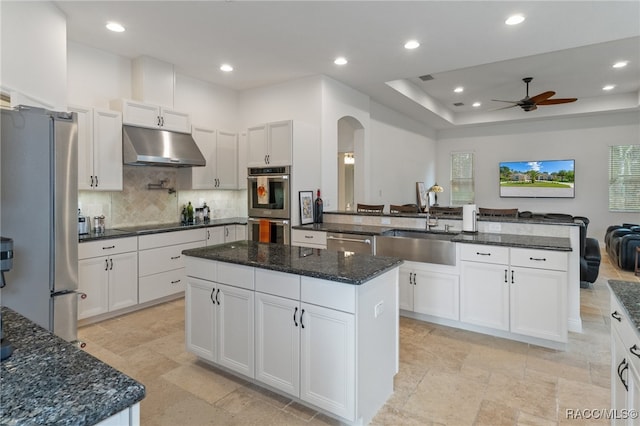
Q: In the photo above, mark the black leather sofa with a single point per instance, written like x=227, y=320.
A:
x=590, y=256
x=621, y=242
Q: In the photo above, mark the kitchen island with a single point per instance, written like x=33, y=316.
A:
x=50, y=381
x=318, y=326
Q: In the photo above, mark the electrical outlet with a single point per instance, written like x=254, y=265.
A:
x=378, y=309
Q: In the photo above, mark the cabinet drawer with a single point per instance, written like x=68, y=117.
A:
x=107, y=247
x=484, y=253
x=278, y=283
x=160, y=285
x=626, y=331
x=541, y=259
x=171, y=238
x=236, y=275
x=330, y=294
x=302, y=237
x=201, y=268
x=154, y=261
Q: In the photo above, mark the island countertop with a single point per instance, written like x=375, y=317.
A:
x=628, y=294
x=50, y=381
x=317, y=263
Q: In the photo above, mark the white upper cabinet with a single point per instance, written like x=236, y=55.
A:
x=270, y=144
x=143, y=114
x=99, y=149
x=220, y=150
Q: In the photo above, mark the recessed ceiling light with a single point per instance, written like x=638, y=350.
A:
x=411, y=44
x=226, y=68
x=620, y=64
x=115, y=27
x=340, y=61
x=476, y=104
x=514, y=20
x=459, y=89
x=609, y=87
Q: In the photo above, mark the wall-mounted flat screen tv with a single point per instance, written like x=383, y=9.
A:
x=549, y=179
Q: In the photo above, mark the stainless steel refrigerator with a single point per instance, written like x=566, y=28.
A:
x=38, y=210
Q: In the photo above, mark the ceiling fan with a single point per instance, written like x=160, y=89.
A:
x=530, y=104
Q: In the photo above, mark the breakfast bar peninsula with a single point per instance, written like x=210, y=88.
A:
x=318, y=326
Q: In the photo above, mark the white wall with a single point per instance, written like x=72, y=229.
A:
x=584, y=139
x=209, y=105
x=34, y=53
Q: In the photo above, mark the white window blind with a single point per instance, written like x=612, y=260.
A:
x=462, y=186
x=624, y=178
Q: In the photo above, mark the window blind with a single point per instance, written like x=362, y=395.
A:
x=462, y=185
x=624, y=178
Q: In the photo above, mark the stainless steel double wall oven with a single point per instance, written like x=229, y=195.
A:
x=269, y=197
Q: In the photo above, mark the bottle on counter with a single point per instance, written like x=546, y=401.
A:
x=205, y=211
x=183, y=215
x=189, y=213
x=317, y=209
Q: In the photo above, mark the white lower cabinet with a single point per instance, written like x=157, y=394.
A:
x=107, y=276
x=521, y=291
x=306, y=238
x=426, y=291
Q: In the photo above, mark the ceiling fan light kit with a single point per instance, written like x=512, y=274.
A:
x=531, y=103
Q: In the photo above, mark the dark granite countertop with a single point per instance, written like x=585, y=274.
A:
x=50, y=381
x=132, y=231
x=510, y=240
x=317, y=263
x=628, y=294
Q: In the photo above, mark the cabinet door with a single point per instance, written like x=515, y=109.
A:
x=85, y=146
x=204, y=177
x=278, y=342
x=328, y=345
x=634, y=393
x=235, y=329
x=539, y=303
x=405, y=300
x=257, y=146
x=279, y=143
x=215, y=235
x=200, y=318
x=436, y=294
x=241, y=232
x=93, y=280
x=107, y=142
x=123, y=280
x=175, y=120
x=140, y=114
x=484, y=295
x=227, y=160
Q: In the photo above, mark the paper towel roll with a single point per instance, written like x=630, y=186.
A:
x=469, y=218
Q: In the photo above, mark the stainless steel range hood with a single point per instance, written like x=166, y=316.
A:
x=154, y=147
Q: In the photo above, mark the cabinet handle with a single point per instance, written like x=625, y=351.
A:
x=175, y=257
x=91, y=181
x=616, y=315
x=175, y=282
x=159, y=122
x=538, y=259
x=265, y=159
x=108, y=247
x=483, y=254
x=226, y=232
x=96, y=181
x=217, y=294
x=301, y=323
x=512, y=282
x=635, y=350
x=505, y=276
x=208, y=235
x=294, y=316
x=111, y=264
x=213, y=290
x=621, y=367
x=106, y=264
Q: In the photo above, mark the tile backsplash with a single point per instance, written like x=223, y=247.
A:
x=138, y=205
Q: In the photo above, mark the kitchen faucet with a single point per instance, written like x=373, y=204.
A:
x=429, y=225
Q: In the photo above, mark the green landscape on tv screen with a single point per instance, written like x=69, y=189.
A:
x=549, y=179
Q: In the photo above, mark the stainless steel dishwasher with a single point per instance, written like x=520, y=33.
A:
x=351, y=242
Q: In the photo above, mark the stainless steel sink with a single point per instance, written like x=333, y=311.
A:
x=418, y=246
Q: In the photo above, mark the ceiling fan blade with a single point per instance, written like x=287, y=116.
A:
x=542, y=97
x=557, y=101
x=511, y=102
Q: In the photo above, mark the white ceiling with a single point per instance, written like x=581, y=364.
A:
x=568, y=47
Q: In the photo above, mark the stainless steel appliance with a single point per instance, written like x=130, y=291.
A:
x=155, y=147
x=351, y=242
x=269, y=192
x=84, y=224
x=39, y=164
x=6, y=263
x=278, y=230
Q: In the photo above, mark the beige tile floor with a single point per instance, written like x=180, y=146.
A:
x=447, y=376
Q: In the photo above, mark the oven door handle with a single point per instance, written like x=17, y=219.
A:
x=350, y=240
x=284, y=222
x=272, y=177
